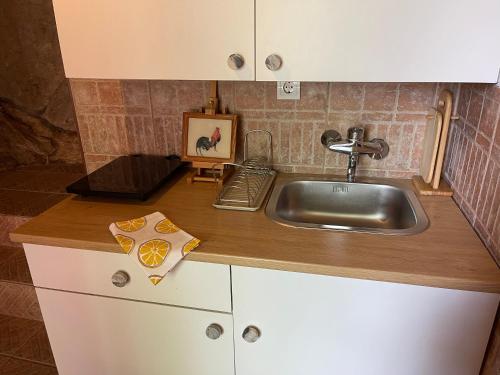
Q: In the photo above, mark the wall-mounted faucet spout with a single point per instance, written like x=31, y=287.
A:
x=354, y=146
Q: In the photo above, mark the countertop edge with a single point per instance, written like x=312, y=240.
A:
x=307, y=268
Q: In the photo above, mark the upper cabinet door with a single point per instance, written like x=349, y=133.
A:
x=383, y=40
x=156, y=39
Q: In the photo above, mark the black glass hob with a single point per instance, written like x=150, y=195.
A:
x=133, y=177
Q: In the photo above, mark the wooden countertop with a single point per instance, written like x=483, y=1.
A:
x=448, y=254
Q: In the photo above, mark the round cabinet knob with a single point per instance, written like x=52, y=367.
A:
x=120, y=279
x=235, y=61
x=214, y=331
x=251, y=334
x=274, y=62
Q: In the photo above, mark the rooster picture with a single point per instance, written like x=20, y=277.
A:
x=205, y=143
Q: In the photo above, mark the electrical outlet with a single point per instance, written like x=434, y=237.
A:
x=288, y=90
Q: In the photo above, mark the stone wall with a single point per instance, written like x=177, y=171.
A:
x=37, y=119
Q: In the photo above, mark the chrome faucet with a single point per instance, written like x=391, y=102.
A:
x=354, y=146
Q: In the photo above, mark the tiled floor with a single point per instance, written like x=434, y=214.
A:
x=24, y=345
x=14, y=366
x=29, y=192
x=27, y=203
x=46, y=180
x=13, y=265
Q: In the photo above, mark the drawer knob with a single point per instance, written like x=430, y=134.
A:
x=251, y=334
x=120, y=279
x=214, y=331
x=235, y=61
x=273, y=62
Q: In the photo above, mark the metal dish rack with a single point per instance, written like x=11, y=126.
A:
x=247, y=188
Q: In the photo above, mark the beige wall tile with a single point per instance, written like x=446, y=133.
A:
x=164, y=98
x=489, y=118
x=140, y=135
x=249, y=95
x=313, y=96
x=380, y=96
x=84, y=92
x=136, y=97
x=346, y=96
x=475, y=108
x=110, y=93
x=96, y=161
x=416, y=96
x=108, y=135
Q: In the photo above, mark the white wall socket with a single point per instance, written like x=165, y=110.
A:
x=288, y=90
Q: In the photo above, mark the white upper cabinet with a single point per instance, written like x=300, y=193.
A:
x=380, y=41
x=317, y=40
x=156, y=39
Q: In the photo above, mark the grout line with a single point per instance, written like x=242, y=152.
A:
x=327, y=124
x=12, y=356
x=396, y=104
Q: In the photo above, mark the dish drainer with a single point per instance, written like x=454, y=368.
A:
x=247, y=188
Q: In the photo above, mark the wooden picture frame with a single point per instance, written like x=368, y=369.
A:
x=203, y=133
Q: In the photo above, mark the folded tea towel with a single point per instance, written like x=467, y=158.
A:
x=154, y=243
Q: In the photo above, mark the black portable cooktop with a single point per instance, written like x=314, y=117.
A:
x=133, y=177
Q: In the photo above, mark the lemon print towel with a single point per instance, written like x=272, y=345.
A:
x=154, y=242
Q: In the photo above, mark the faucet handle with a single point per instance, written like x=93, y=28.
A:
x=383, y=149
x=330, y=136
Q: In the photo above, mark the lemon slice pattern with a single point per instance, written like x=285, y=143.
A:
x=152, y=253
x=154, y=242
x=155, y=279
x=131, y=225
x=126, y=243
x=166, y=226
x=189, y=246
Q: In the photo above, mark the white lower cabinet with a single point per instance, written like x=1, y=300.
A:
x=277, y=323
x=322, y=325
x=92, y=335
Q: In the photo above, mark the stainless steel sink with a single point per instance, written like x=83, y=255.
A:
x=359, y=207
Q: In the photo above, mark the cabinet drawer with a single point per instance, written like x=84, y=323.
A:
x=191, y=284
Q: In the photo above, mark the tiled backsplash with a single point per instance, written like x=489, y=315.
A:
x=122, y=117
x=473, y=160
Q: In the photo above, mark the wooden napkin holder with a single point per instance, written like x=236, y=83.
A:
x=430, y=182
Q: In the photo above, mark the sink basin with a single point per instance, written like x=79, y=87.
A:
x=359, y=207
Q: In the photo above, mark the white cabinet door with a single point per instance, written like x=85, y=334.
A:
x=106, y=336
x=155, y=39
x=381, y=41
x=324, y=325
